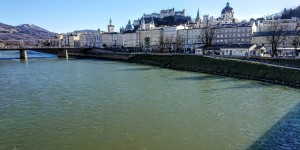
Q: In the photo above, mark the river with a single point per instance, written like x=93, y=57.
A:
x=50, y=103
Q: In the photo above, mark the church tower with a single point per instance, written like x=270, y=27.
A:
x=143, y=24
x=198, y=16
x=110, y=27
x=198, y=20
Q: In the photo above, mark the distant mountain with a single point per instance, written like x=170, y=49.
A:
x=25, y=32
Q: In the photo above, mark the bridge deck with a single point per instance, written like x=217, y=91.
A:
x=45, y=48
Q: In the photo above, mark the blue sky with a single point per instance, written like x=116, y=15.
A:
x=69, y=15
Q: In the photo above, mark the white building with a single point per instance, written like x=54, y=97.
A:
x=120, y=40
x=70, y=40
x=192, y=37
x=89, y=40
x=171, y=32
x=130, y=40
x=147, y=26
x=110, y=39
x=234, y=33
x=285, y=48
x=287, y=24
x=237, y=49
x=150, y=39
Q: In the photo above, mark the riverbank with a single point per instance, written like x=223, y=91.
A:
x=224, y=67
x=217, y=66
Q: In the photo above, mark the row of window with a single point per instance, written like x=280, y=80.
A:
x=233, y=35
x=234, y=30
x=233, y=40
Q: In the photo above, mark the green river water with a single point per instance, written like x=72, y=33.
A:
x=48, y=103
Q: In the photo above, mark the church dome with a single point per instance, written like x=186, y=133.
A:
x=227, y=9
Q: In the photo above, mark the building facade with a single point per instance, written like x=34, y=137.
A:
x=130, y=40
x=192, y=38
x=150, y=39
x=91, y=40
x=287, y=24
x=234, y=33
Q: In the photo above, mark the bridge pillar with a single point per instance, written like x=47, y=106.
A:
x=63, y=53
x=23, y=54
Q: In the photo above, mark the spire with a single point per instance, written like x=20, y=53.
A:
x=129, y=22
x=198, y=16
x=110, y=21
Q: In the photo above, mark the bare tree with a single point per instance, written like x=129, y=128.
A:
x=168, y=43
x=179, y=43
x=147, y=42
x=296, y=43
x=208, y=33
x=276, y=37
x=161, y=43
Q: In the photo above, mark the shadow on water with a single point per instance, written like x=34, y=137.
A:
x=284, y=135
x=198, y=78
x=11, y=58
x=136, y=69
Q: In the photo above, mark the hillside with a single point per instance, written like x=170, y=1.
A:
x=285, y=14
x=25, y=32
x=289, y=13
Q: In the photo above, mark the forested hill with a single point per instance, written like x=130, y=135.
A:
x=289, y=13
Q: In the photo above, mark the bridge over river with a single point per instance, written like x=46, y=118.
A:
x=60, y=51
